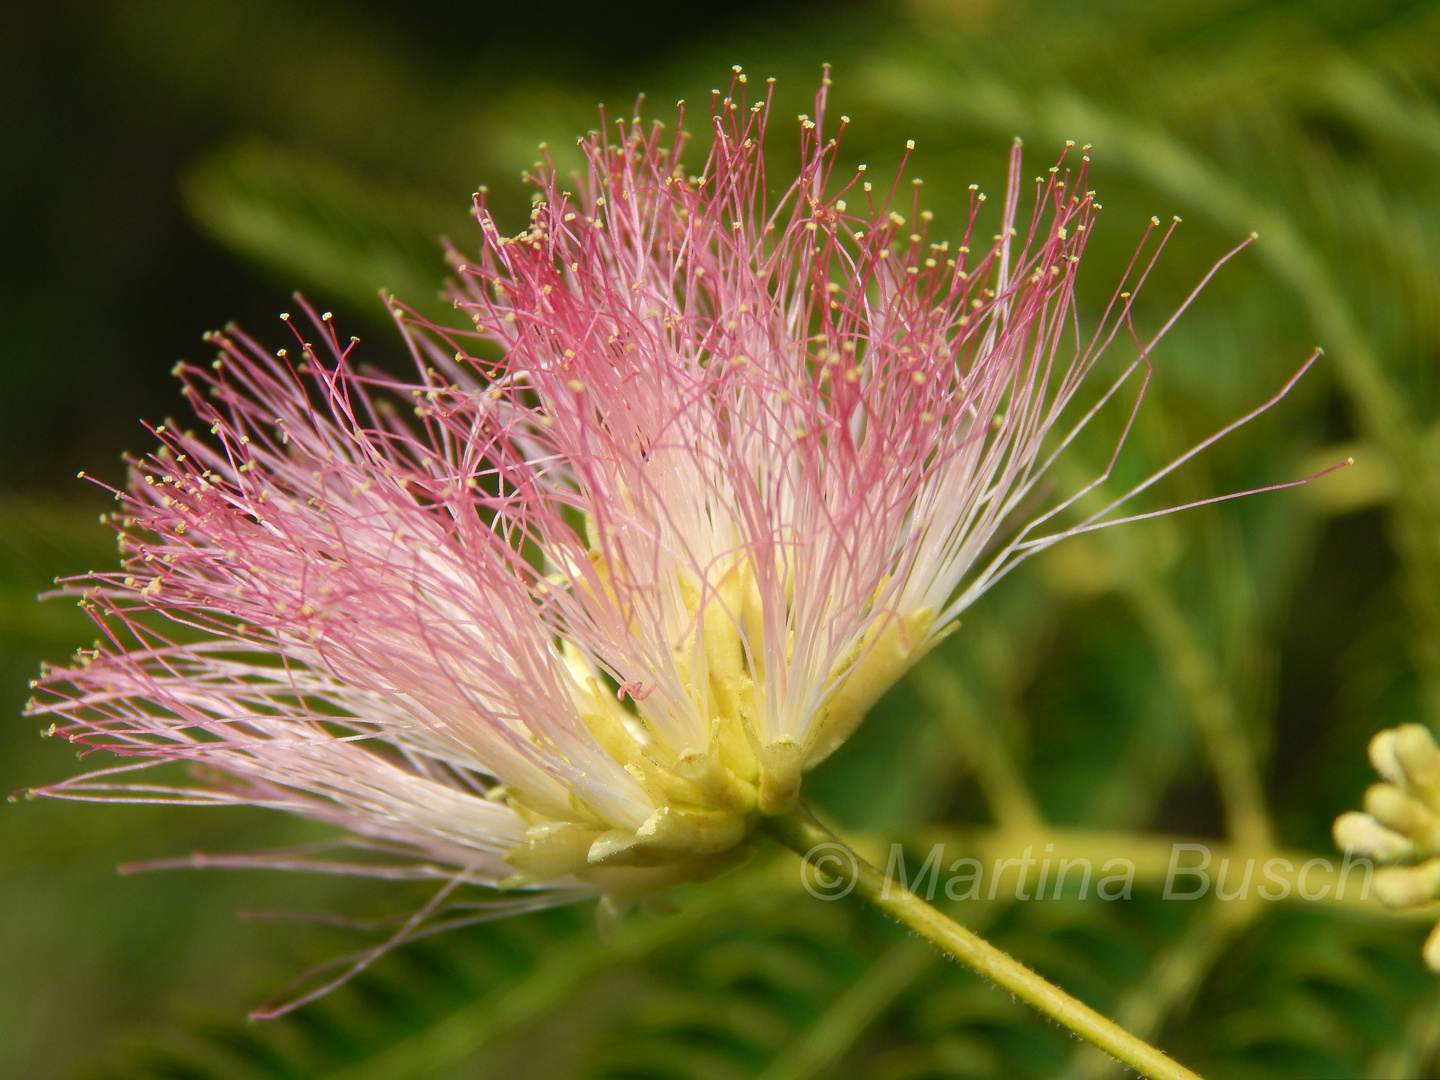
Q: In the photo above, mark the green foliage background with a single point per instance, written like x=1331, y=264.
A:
x=171, y=165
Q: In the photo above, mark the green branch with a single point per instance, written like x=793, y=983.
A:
x=799, y=831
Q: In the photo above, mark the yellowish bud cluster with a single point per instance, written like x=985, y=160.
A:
x=1401, y=823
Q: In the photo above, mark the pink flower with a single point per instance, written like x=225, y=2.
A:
x=710, y=473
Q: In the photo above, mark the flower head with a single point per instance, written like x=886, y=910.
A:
x=709, y=473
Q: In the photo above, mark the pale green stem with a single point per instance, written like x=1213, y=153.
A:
x=799, y=831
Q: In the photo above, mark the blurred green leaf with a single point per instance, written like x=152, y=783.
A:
x=314, y=221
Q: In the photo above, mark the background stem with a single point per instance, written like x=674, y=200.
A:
x=803, y=834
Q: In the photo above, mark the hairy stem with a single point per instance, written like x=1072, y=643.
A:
x=817, y=845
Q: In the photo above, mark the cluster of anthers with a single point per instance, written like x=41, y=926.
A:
x=1401, y=823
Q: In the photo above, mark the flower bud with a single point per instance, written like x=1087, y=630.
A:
x=1408, y=886
x=1431, y=949
x=1365, y=836
x=1404, y=814
x=1382, y=756
x=1418, y=755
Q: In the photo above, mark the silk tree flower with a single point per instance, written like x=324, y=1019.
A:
x=712, y=470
